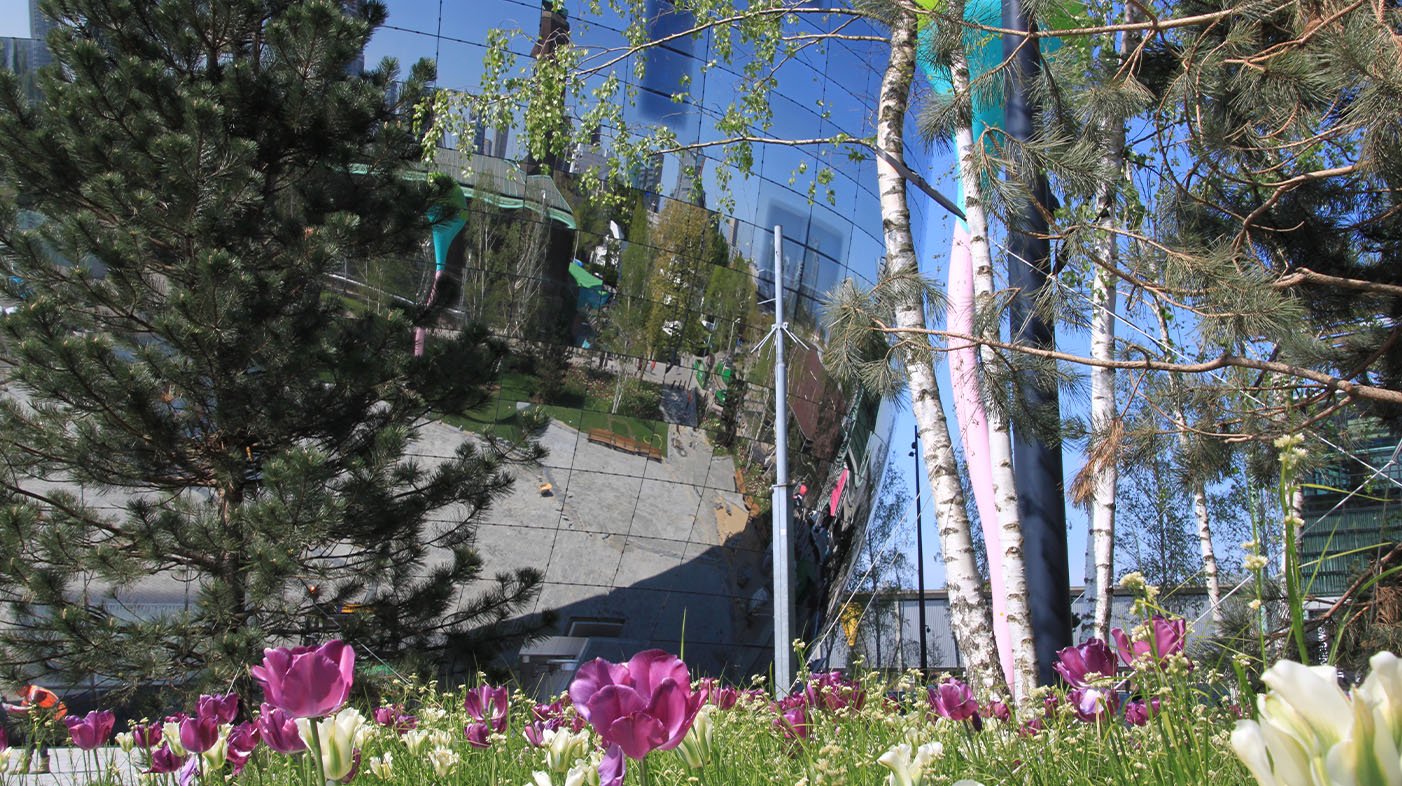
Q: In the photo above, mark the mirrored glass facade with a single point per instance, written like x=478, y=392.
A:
x=639, y=330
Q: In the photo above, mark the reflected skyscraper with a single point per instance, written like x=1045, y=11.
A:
x=650, y=516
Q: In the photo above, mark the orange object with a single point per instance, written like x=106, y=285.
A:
x=43, y=698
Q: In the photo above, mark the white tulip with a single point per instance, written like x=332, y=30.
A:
x=443, y=761
x=695, y=748
x=340, y=735
x=907, y=767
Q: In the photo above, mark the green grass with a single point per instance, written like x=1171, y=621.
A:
x=501, y=416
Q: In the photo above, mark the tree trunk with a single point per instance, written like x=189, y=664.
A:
x=1000, y=450
x=967, y=610
x=1209, y=555
x=1103, y=413
x=1199, y=491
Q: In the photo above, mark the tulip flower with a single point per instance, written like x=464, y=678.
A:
x=243, y=739
x=1165, y=637
x=644, y=705
x=1307, y=730
x=907, y=768
x=393, y=716
x=831, y=690
x=382, y=767
x=339, y=737
x=198, y=735
x=725, y=697
x=418, y=740
x=215, y=755
x=164, y=760
x=223, y=708
x=793, y=721
x=999, y=710
x=146, y=736
x=563, y=747
x=170, y=733
x=279, y=730
x=92, y=730
x=307, y=682
x=698, y=743
x=1081, y=664
x=477, y=734
x=953, y=699
x=4, y=739
x=489, y=705
x=1093, y=704
x=125, y=740
x=443, y=760
x=1138, y=712
x=613, y=767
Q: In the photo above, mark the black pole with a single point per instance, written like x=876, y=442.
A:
x=1036, y=453
x=920, y=556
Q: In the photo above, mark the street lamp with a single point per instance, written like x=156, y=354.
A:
x=920, y=556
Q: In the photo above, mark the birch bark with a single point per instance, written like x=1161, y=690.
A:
x=968, y=611
x=1103, y=412
x=1000, y=453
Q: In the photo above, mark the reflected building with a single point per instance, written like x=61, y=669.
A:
x=650, y=516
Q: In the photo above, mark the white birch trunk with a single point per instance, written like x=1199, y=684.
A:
x=1000, y=450
x=1103, y=411
x=1199, y=492
x=1209, y=555
x=968, y=612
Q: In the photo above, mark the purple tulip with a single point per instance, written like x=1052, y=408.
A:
x=535, y=733
x=1081, y=664
x=1093, y=704
x=954, y=700
x=1138, y=712
x=393, y=716
x=1166, y=637
x=187, y=774
x=223, y=708
x=198, y=735
x=92, y=730
x=476, y=734
x=147, y=737
x=4, y=739
x=489, y=705
x=793, y=721
x=644, y=705
x=307, y=682
x=725, y=697
x=278, y=729
x=999, y=710
x=831, y=690
x=164, y=760
x=613, y=766
x=243, y=740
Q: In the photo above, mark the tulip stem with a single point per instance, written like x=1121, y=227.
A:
x=642, y=772
x=316, y=753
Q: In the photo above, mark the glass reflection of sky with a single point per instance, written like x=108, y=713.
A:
x=836, y=240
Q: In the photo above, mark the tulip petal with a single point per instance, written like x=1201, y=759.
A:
x=591, y=678
x=649, y=668
x=613, y=702
x=671, y=709
x=613, y=767
x=638, y=734
x=1250, y=746
x=1314, y=693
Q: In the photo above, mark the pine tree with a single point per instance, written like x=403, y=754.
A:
x=188, y=399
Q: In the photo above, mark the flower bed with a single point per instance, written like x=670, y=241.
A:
x=1137, y=713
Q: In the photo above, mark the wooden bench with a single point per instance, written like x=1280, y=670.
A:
x=626, y=444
